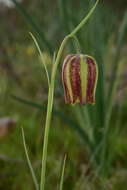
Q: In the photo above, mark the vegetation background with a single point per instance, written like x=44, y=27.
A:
x=24, y=88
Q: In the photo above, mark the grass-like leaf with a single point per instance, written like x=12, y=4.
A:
x=70, y=122
x=62, y=174
x=35, y=27
x=115, y=68
x=29, y=163
x=43, y=62
x=111, y=93
x=64, y=17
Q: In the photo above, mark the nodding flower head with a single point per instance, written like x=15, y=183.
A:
x=79, y=77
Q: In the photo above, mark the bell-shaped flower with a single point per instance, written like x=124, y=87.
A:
x=79, y=77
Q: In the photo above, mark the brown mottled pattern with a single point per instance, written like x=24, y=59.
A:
x=75, y=79
x=91, y=80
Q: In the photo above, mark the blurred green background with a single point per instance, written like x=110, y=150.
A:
x=24, y=89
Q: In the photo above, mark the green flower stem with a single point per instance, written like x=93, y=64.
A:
x=51, y=93
x=49, y=113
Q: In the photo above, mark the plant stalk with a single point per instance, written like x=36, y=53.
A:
x=51, y=93
x=49, y=113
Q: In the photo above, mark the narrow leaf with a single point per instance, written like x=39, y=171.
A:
x=70, y=122
x=62, y=174
x=35, y=27
x=43, y=62
x=29, y=163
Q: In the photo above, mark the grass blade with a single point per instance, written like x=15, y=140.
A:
x=29, y=163
x=35, y=27
x=70, y=122
x=39, y=50
x=113, y=83
x=64, y=16
x=62, y=174
x=111, y=93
